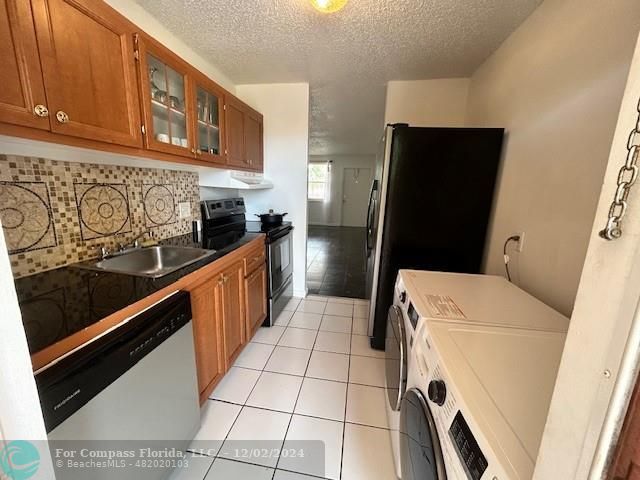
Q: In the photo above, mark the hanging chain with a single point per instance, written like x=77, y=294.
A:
x=627, y=176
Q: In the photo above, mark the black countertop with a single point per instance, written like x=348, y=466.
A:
x=58, y=303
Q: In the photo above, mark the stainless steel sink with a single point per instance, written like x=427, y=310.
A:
x=152, y=262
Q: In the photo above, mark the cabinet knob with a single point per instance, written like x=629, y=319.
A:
x=62, y=117
x=41, y=111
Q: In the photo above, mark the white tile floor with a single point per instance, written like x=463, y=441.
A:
x=313, y=377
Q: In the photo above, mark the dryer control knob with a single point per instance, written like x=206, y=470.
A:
x=437, y=392
x=403, y=296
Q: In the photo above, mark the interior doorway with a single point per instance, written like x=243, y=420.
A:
x=338, y=196
x=355, y=194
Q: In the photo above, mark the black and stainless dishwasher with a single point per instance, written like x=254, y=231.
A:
x=135, y=383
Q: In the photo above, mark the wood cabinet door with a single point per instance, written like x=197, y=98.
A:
x=166, y=99
x=235, y=134
x=232, y=288
x=207, y=334
x=22, y=96
x=87, y=57
x=253, y=141
x=256, y=299
x=208, y=120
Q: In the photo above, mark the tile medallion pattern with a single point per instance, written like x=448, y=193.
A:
x=55, y=213
x=25, y=212
x=159, y=205
x=103, y=209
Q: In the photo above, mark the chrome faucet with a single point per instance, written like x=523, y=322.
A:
x=104, y=252
x=123, y=247
x=135, y=242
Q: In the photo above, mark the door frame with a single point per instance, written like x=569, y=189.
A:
x=598, y=366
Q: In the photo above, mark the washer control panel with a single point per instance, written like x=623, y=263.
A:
x=467, y=448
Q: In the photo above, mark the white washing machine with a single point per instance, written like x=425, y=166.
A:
x=457, y=298
x=467, y=415
x=482, y=299
x=399, y=339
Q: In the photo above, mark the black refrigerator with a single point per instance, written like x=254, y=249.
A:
x=429, y=207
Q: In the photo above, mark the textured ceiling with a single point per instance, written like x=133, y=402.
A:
x=347, y=57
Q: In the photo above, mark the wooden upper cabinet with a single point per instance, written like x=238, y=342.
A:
x=88, y=65
x=232, y=287
x=207, y=325
x=208, y=121
x=22, y=96
x=244, y=135
x=77, y=72
x=165, y=92
x=253, y=140
x=235, y=133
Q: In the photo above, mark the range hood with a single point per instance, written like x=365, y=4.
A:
x=233, y=179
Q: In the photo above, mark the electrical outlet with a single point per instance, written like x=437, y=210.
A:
x=520, y=244
x=184, y=209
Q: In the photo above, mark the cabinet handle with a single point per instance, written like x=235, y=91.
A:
x=198, y=152
x=41, y=111
x=62, y=117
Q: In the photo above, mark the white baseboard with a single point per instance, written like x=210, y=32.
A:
x=300, y=293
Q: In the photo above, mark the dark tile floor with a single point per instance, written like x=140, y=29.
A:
x=336, y=264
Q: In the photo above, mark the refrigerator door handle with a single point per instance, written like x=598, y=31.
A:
x=374, y=187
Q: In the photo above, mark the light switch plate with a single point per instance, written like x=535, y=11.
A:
x=184, y=209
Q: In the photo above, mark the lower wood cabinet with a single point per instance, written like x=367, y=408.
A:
x=228, y=306
x=232, y=296
x=207, y=334
x=256, y=299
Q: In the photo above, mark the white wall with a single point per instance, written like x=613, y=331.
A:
x=603, y=342
x=213, y=193
x=20, y=413
x=286, y=149
x=422, y=103
x=150, y=25
x=330, y=211
x=556, y=85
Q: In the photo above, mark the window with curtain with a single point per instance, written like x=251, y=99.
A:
x=318, y=181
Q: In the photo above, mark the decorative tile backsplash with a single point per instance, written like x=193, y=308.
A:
x=55, y=213
x=26, y=216
x=158, y=201
x=103, y=209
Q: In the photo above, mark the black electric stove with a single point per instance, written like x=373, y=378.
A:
x=224, y=221
x=272, y=232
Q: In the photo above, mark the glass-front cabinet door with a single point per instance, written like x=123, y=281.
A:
x=209, y=110
x=165, y=95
